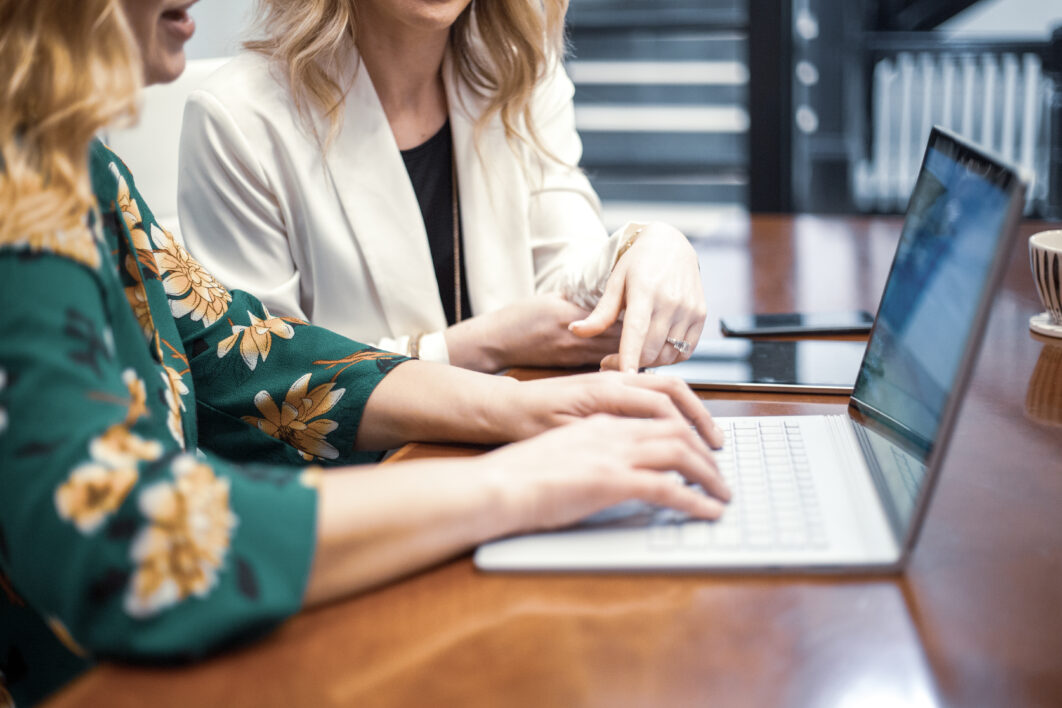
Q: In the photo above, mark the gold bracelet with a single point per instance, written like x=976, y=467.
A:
x=633, y=231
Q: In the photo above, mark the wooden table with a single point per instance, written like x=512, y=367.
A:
x=975, y=621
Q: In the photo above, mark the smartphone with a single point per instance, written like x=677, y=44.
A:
x=786, y=323
x=802, y=366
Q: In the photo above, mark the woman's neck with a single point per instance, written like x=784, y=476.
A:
x=405, y=66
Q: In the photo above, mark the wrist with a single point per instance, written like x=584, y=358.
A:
x=486, y=410
x=630, y=234
x=477, y=344
x=508, y=413
x=500, y=496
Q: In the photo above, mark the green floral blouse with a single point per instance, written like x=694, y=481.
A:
x=134, y=392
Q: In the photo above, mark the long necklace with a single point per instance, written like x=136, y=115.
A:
x=457, y=240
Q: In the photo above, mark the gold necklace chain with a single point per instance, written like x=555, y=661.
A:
x=457, y=238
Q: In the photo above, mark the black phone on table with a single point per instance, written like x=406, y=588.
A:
x=802, y=366
x=797, y=323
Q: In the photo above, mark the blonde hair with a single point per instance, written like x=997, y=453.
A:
x=501, y=49
x=67, y=69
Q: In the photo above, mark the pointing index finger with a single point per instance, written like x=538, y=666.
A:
x=635, y=330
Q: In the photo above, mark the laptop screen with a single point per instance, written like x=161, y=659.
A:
x=929, y=309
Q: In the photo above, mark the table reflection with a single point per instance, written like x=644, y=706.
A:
x=1043, y=397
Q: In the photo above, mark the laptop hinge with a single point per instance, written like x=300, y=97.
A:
x=878, y=477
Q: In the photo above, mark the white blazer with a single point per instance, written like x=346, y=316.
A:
x=339, y=239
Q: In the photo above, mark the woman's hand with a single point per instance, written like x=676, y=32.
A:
x=379, y=523
x=595, y=440
x=571, y=472
x=657, y=283
x=430, y=402
x=547, y=403
x=531, y=332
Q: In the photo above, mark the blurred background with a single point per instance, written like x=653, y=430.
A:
x=702, y=111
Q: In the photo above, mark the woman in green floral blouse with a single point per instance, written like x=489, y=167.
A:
x=163, y=440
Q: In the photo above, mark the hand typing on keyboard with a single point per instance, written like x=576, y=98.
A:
x=765, y=462
x=571, y=474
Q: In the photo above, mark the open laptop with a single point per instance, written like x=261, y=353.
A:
x=833, y=493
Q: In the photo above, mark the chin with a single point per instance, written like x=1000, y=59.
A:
x=164, y=70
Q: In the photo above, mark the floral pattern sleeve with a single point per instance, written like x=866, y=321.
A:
x=265, y=388
x=125, y=542
x=143, y=411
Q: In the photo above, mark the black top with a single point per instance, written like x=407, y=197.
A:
x=429, y=166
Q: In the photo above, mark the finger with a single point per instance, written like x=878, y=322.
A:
x=635, y=330
x=655, y=346
x=686, y=327
x=693, y=336
x=610, y=362
x=607, y=311
x=680, y=452
x=678, y=429
x=637, y=402
x=653, y=488
x=669, y=354
x=685, y=400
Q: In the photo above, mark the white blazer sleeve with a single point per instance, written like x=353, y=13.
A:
x=229, y=211
x=573, y=254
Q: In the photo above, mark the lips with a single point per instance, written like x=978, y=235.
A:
x=178, y=22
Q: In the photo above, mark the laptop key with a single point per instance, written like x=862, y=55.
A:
x=696, y=534
x=664, y=536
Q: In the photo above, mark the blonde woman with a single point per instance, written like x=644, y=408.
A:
x=163, y=440
x=405, y=172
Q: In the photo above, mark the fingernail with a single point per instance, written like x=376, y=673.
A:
x=577, y=323
x=713, y=508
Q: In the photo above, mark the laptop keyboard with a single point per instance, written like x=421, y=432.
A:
x=775, y=505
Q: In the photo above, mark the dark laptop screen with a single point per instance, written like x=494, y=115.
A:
x=929, y=309
x=929, y=312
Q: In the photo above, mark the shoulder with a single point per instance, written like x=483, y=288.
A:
x=250, y=85
x=115, y=189
x=29, y=250
x=243, y=105
x=106, y=170
x=554, y=88
x=47, y=232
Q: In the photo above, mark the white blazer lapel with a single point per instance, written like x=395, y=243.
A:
x=494, y=205
x=381, y=208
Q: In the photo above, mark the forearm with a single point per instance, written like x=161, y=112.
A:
x=475, y=344
x=430, y=402
x=378, y=524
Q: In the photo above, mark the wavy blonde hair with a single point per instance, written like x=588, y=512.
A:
x=501, y=49
x=67, y=69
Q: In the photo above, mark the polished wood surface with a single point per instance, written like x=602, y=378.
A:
x=976, y=620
